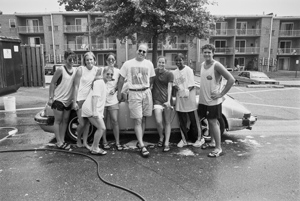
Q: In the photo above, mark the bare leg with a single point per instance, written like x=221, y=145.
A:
x=215, y=132
x=168, y=117
x=80, y=128
x=115, y=124
x=159, y=123
x=100, y=125
x=85, y=135
x=64, y=124
x=139, y=131
x=58, y=116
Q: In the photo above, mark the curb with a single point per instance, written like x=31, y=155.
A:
x=265, y=86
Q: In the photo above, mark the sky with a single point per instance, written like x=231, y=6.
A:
x=224, y=7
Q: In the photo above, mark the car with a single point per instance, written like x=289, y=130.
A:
x=235, y=116
x=253, y=77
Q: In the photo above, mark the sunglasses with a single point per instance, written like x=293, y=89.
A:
x=71, y=59
x=142, y=51
x=109, y=74
x=110, y=59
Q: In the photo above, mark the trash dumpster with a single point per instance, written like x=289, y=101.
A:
x=11, y=72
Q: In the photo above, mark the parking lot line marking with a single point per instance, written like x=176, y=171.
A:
x=278, y=106
x=242, y=92
x=24, y=109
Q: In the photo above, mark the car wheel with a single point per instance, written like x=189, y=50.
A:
x=205, y=127
x=252, y=82
x=71, y=133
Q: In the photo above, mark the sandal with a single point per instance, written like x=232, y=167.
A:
x=119, y=147
x=166, y=149
x=106, y=146
x=145, y=153
x=65, y=146
x=215, y=153
x=208, y=146
x=160, y=143
x=99, y=152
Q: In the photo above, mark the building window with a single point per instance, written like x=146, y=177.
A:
x=34, y=41
x=56, y=47
x=55, y=28
x=51, y=47
x=12, y=23
x=49, y=28
x=221, y=46
x=273, y=32
x=265, y=49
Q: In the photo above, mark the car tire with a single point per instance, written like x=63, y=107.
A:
x=71, y=134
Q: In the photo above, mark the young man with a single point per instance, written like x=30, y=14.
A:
x=211, y=96
x=139, y=73
x=60, y=98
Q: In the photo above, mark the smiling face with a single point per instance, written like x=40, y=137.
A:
x=111, y=60
x=208, y=55
x=70, y=60
x=161, y=63
x=108, y=74
x=141, y=52
x=89, y=60
x=179, y=62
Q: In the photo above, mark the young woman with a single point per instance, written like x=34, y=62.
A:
x=93, y=109
x=162, y=93
x=112, y=103
x=83, y=81
x=60, y=98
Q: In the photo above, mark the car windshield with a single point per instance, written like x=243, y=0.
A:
x=258, y=75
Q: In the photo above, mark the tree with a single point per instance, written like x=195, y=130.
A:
x=153, y=19
x=77, y=5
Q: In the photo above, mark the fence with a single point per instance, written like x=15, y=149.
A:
x=33, y=66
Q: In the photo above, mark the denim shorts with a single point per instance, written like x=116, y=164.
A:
x=57, y=105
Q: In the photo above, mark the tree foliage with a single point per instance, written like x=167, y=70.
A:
x=78, y=5
x=153, y=19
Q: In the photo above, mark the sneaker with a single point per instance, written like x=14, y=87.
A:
x=199, y=143
x=182, y=144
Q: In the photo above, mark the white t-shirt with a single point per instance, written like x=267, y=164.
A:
x=99, y=91
x=185, y=99
x=112, y=99
x=86, y=81
x=137, y=73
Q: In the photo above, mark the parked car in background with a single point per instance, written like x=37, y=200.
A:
x=234, y=117
x=253, y=77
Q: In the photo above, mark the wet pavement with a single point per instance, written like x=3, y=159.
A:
x=258, y=164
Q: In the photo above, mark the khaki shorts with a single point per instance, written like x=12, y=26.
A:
x=140, y=104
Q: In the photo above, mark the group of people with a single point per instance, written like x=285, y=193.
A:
x=96, y=91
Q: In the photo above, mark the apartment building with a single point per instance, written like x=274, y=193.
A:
x=256, y=42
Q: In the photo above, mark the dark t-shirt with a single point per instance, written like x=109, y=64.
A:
x=160, y=86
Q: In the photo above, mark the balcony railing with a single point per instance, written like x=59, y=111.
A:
x=223, y=32
x=288, y=51
x=248, y=32
x=104, y=46
x=247, y=50
x=75, y=28
x=31, y=29
x=174, y=46
x=85, y=47
x=224, y=50
x=289, y=33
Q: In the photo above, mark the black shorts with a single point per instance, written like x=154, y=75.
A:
x=57, y=105
x=210, y=112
